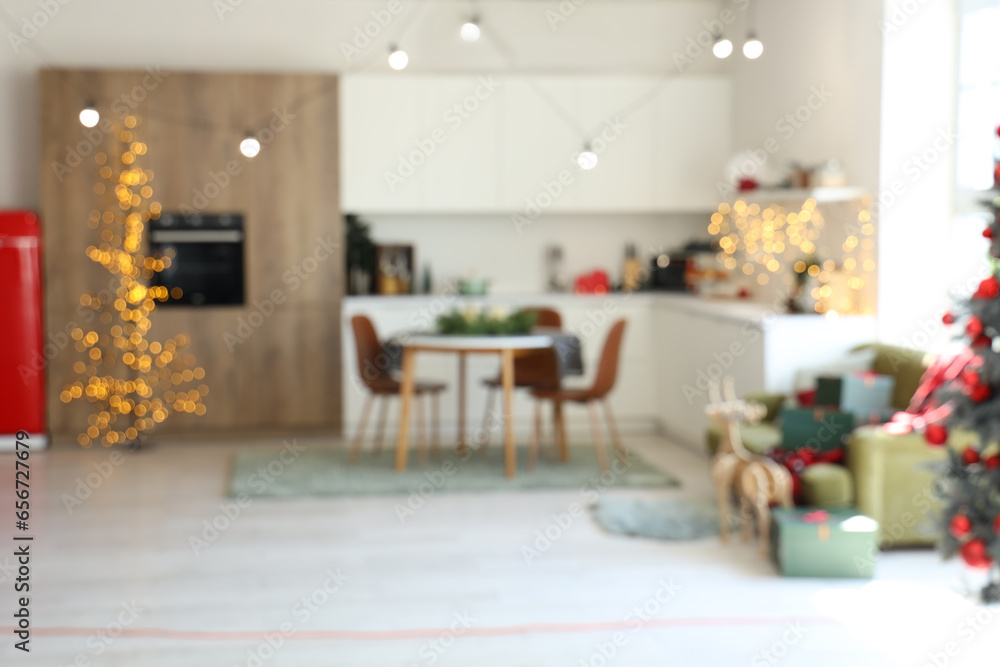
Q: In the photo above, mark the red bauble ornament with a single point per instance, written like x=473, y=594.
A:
x=974, y=328
x=974, y=554
x=980, y=393
x=982, y=341
x=988, y=232
x=993, y=462
x=988, y=289
x=960, y=526
x=936, y=434
x=970, y=378
x=948, y=319
x=970, y=456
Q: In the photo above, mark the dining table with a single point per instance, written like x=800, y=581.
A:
x=567, y=347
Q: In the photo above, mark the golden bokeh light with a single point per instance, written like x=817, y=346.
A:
x=124, y=408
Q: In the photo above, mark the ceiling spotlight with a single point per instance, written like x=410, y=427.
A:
x=722, y=47
x=89, y=116
x=250, y=146
x=753, y=47
x=470, y=30
x=398, y=58
x=587, y=159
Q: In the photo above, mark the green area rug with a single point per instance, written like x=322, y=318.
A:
x=326, y=472
x=659, y=519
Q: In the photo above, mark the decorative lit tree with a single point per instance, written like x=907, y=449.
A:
x=131, y=381
x=963, y=392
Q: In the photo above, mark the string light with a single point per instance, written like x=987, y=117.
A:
x=89, y=116
x=123, y=407
x=753, y=47
x=397, y=58
x=250, y=146
x=470, y=30
x=760, y=241
x=587, y=159
x=722, y=47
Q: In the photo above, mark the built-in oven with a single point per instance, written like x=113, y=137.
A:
x=206, y=257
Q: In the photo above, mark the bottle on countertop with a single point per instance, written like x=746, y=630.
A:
x=428, y=282
x=631, y=270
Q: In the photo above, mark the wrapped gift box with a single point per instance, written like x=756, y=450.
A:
x=818, y=429
x=868, y=396
x=824, y=543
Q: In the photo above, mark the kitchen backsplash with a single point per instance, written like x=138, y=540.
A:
x=513, y=260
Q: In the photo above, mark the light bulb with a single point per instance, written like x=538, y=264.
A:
x=587, y=159
x=89, y=117
x=753, y=47
x=250, y=146
x=470, y=31
x=398, y=58
x=722, y=47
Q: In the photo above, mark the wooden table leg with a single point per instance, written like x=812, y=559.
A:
x=507, y=377
x=461, y=403
x=406, y=401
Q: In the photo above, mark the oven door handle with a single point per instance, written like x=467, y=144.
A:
x=196, y=236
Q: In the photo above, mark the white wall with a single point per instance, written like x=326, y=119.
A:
x=814, y=45
x=490, y=246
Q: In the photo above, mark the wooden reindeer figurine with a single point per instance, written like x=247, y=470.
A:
x=756, y=482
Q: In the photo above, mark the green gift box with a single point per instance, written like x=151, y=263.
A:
x=824, y=543
x=818, y=429
x=868, y=396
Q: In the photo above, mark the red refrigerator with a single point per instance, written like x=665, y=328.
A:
x=22, y=353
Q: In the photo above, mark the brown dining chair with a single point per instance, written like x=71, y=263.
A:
x=373, y=369
x=604, y=382
x=532, y=368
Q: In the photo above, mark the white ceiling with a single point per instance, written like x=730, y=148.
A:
x=306, y=35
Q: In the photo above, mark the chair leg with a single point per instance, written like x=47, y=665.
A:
x=616, y=436
x=436, y=425
x=491, y=396
x=536, y=435
x=383, y=412
x=560, y=430
x=595, y=428
x=421, y=429
x=362, y=424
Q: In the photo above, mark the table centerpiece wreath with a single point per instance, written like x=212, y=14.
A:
x=496, y=321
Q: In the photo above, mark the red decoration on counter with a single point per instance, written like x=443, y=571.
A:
x=746, y=184
x=595, y=282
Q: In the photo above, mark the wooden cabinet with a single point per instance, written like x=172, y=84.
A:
x=460, y=143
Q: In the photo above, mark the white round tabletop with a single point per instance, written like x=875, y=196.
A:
x=482, y=342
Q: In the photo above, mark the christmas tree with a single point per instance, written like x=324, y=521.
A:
x=130, y=380
x=963, y=392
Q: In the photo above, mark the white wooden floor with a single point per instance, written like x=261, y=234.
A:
x=116, y=582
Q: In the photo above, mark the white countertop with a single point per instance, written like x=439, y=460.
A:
x=730, y=310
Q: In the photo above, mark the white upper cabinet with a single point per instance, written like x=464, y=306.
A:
x=506, y=144
x=692, y=139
